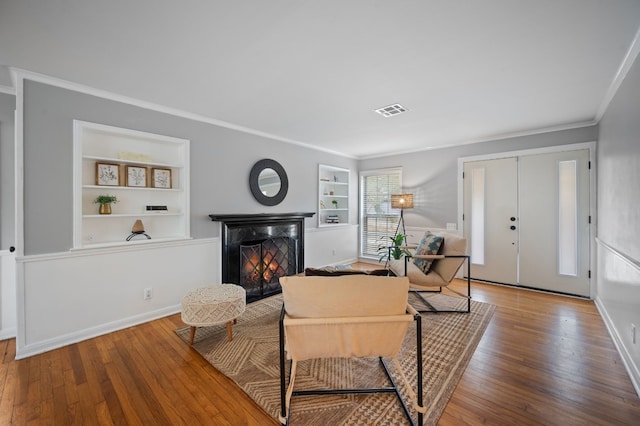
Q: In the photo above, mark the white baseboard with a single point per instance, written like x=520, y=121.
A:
x=627, y=359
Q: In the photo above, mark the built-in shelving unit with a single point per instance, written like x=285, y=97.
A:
x=333, y=196
x=148, y=170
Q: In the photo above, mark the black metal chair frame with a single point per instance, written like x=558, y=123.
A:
x=432, y=309
x=390, y=389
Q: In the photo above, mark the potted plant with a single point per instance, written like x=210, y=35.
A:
x=335, y=203
x=394, y=248
x=105, y=202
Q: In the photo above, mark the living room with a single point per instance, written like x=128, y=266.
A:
x=65, y=294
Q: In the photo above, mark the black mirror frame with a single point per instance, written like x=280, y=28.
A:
x=255, y=187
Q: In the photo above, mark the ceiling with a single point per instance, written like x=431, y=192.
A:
x=313, y=72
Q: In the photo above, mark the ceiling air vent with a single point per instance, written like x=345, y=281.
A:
x=391, y=110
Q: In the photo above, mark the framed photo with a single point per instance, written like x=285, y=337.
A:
x=161, y=178
x=107, y=174
x=136, y=176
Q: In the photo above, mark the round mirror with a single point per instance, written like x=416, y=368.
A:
x=268, y=182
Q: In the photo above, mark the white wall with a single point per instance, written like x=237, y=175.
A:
x=67, y=297
x=618, y=228
x=331, y=246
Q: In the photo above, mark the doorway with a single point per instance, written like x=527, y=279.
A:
x=527, y=219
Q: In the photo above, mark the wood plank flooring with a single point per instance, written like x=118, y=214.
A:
x=544, y=360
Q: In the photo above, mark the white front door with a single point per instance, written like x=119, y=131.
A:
x=527, y=220
x=490, y=212
x=554, y=222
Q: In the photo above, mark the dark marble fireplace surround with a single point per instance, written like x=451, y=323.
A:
x=251, y=229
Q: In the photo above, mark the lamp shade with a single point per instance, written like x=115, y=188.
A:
x=402, y=201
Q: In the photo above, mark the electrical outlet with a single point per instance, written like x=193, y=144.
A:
x=333, y=252
x=633, y=333
x=148, y=293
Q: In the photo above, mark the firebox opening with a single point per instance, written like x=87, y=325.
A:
x=263, y=262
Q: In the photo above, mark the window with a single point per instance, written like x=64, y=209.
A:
x=377, y=218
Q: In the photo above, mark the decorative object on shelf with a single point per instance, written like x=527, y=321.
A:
x=107, y=174
x=161, y=178
x=268, y=182
x=135, y=156
x=105, y=202
x=335, y=203
x=333, y=218
x=138, y=229
x=401, y=201
x=156, y=208
x=136, y=176
x=322, y=206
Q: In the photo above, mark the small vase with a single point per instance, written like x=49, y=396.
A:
x=105, y=209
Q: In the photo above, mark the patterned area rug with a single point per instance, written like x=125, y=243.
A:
x=251, y=360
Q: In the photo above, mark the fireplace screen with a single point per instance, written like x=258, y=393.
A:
x=262, y=263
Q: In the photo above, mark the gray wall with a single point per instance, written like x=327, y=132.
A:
x=221, y=159
x=619, y=169
x=618, y=229
x=432, y=175
x=7, y=204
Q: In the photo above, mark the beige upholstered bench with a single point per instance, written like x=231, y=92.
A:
x=216, y=304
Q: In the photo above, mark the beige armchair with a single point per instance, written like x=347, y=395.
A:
x=452, y=256
x=346, y=317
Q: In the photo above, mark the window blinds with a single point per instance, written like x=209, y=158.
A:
x=378, y=219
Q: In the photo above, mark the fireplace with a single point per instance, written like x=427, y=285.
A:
x=258, y=249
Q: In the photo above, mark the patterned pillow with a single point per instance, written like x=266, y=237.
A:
x=429, y=244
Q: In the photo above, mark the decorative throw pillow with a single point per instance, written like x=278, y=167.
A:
x=429, y=244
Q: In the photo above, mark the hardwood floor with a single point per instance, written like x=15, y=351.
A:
x=544, y=360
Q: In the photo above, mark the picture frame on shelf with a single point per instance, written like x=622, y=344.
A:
x=107, y=174
x=136, y=176
x=160, y=178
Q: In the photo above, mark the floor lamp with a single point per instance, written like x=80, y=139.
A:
x=401, y=201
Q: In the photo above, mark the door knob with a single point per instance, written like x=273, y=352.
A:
x=513, y=219
x=513, y=228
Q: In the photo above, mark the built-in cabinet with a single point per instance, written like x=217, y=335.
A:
x=149, y=175
x=333, y=196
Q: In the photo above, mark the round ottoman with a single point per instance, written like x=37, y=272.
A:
x=216, y=304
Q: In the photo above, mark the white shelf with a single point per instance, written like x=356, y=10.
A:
x=97, y=143
x=111, y=216
x=130, y=162
x=333, y=184
x=129, y=188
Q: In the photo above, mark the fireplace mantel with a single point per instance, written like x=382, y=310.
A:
x=242, y=230
x=258, y=217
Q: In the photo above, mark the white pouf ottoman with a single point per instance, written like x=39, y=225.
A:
x=216, y=304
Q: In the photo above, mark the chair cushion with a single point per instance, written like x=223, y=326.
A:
x=429, y=244
x=344, y=296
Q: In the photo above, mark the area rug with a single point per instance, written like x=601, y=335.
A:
x=252, y=361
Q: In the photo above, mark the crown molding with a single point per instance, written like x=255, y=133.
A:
x=8, y=90
x=497, y=137
x=622, y=72
x=20, y=74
